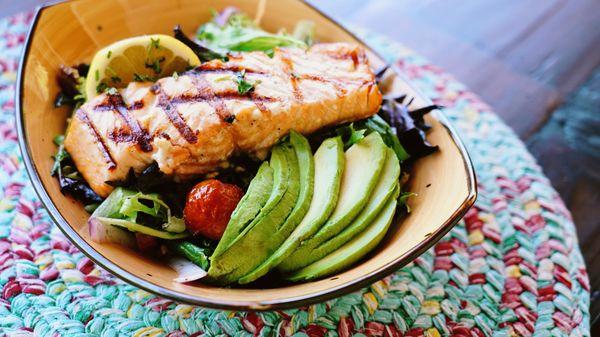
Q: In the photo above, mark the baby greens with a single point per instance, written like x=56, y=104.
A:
x=244, y=86
x=140, y=212
x=203, y=53
x=237, y=32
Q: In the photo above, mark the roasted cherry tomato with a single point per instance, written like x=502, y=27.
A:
x=209, y=206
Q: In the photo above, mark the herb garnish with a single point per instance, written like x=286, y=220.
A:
x=114, y=77
x=244, y=87
x=101, y=87
x=155, y=65
x=155, y=43
x=143, y=78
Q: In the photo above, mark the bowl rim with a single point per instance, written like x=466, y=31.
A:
x=284, y=303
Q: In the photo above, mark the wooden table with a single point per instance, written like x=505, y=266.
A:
x=523, y=57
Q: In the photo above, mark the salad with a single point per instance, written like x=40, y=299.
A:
x=237, y=153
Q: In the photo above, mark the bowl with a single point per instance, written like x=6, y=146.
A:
x=71, y=32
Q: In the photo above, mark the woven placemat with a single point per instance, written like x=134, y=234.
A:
x=512, y=267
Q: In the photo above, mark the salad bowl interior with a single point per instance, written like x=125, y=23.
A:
x=71, y=32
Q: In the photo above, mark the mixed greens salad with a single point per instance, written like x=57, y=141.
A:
x=318, y=205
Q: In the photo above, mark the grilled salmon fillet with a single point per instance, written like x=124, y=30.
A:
x=192, y=123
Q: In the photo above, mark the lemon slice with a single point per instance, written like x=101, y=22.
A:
x=140, y=58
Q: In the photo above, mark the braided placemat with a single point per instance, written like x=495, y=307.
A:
x=512, y=267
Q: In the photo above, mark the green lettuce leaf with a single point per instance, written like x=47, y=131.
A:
x=239, y=33
x=144, y=209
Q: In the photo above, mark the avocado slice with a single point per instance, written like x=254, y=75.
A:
x=352, y=251
x=363, y=164
x=381, y=194
x=256, y=243
x=280, y=172
x=324, y=177
x=255, y=198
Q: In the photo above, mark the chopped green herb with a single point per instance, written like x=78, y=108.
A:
x=155, y=65
x=143, y=78
x=154, y=43
x=109, y=54
x=114, y=77
x=97, y=75
x=244, y=87
x=101, y=87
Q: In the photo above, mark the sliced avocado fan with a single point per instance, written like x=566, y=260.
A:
x=280, y=177
x=255, y=243
x=352, y=251
x=364, y=162
x=321, y=179
x=382, y=193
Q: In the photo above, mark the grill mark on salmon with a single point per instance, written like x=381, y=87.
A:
x=121, y=135
x=226, y=95
x=217, y=67
x=216, y=103
x=137, y=105
x=288, y=68
x=114, y=102
x=339, y=87
x=356, y=57
x=260, y=105
x=216, y=100
x=99, y=141
x=175, y=118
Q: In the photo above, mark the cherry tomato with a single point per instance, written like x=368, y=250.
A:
x=209, y=206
